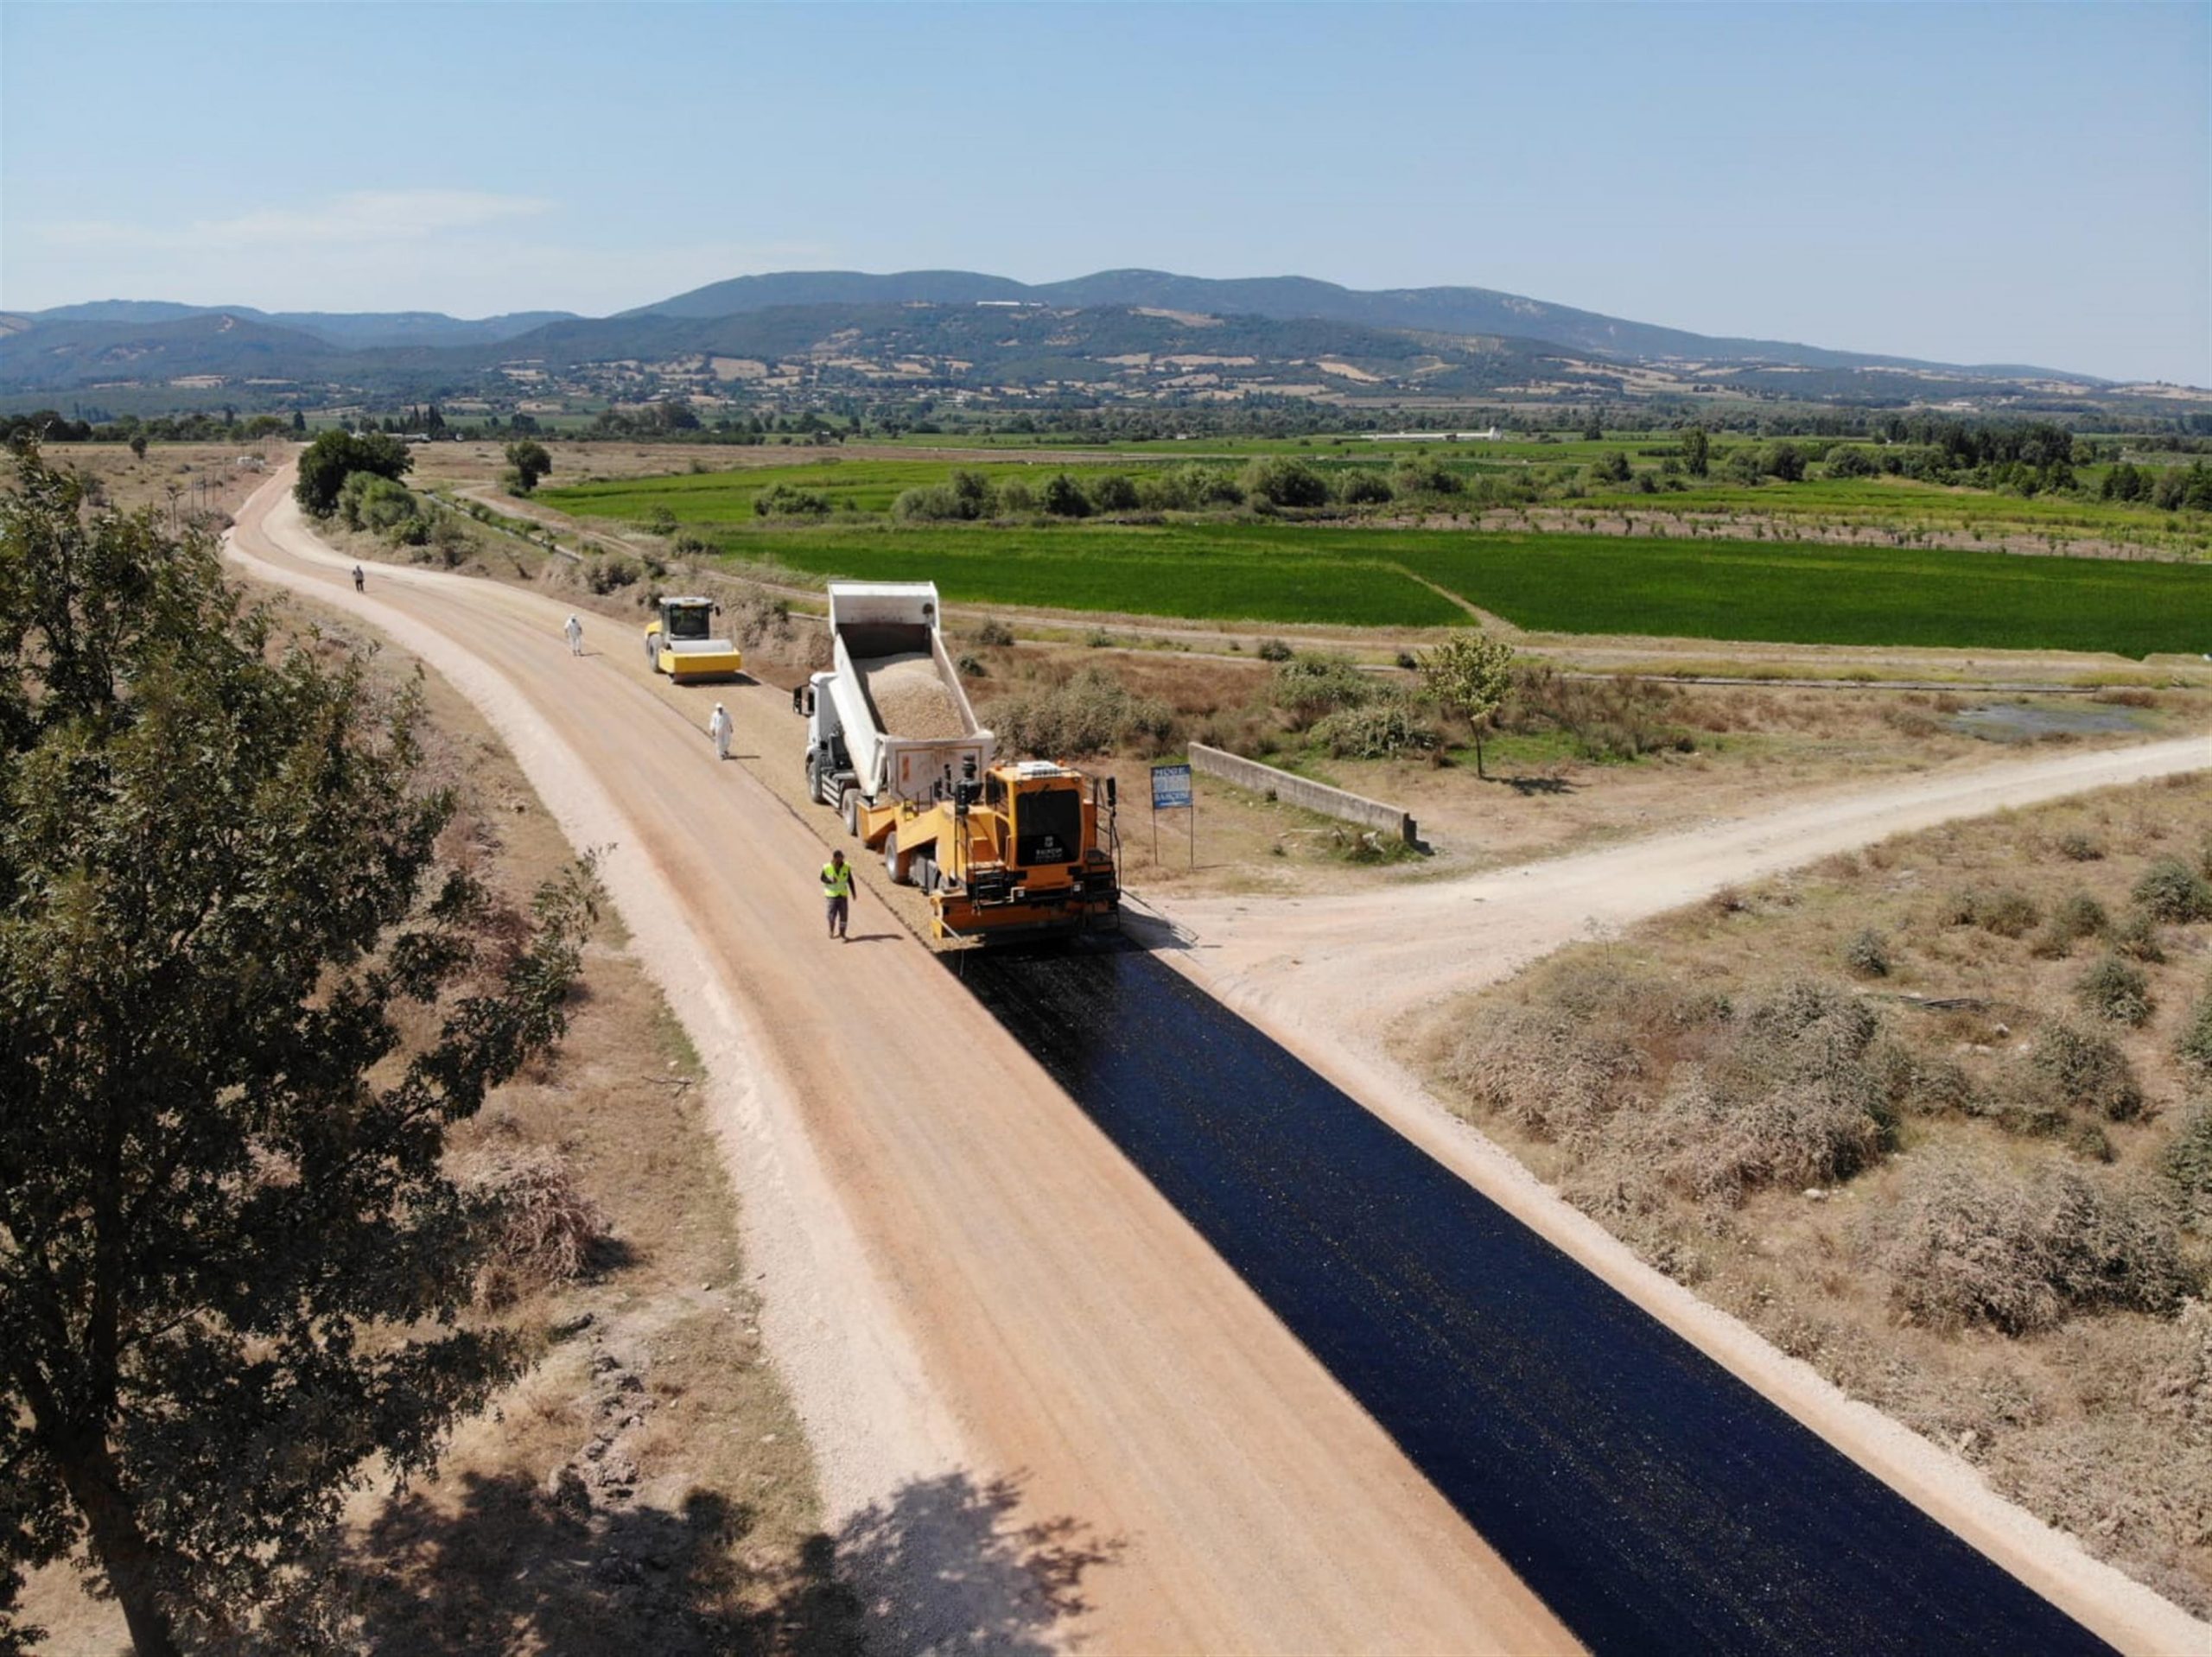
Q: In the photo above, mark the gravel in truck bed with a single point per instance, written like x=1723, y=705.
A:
x=910, y=699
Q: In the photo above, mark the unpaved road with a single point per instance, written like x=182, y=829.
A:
x=964, y=1279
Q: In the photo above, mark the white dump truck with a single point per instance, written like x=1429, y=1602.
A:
x=889, y=721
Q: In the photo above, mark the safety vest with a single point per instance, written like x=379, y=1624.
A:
x=837, y=882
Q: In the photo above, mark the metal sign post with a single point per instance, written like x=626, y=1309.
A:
x=1171, y=791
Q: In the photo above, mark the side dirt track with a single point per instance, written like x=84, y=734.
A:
x=965, y=1283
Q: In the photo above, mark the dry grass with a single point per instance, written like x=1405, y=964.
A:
x=1960, y=1192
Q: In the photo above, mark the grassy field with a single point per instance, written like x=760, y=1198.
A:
x=1775, y=589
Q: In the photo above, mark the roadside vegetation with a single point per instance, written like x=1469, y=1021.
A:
x=1936, y=1119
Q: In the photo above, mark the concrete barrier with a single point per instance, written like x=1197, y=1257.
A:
x=1301, y=791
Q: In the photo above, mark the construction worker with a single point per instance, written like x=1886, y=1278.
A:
x=359, y=580
x=575, y=632
x=719, y=728
x=837, y=887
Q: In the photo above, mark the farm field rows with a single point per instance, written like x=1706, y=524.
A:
x=1771, y=590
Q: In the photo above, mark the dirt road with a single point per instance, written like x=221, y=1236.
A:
x=966, y=1282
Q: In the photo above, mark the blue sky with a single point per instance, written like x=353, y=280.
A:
x=1977, y=183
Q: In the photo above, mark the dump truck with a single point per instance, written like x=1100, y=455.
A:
x=1001, y=850
x=680, y=641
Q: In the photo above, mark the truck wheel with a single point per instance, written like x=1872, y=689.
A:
x=899, y=876
x=849, y=807
x=814, y=777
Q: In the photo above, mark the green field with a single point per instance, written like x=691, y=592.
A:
x=1778, y=590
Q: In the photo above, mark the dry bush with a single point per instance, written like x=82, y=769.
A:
x=2088, y=1072
x=545, y=1225
x=1308, y=688
x=1969, y=1240
x=2188, y=1162
x=1867, y=953
x=2077, y=916
x=2171, y=890
x=2112, y=989
x=1615, y=718
x=1091, y=713
x=2138, y=937
x=2005, y=911
x=2194, y=1045
x=2079, y=848
x=1381, y=730
x=1561, y=1065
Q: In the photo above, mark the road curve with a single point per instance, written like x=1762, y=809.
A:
x=989, y=1288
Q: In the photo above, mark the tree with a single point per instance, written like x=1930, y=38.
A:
x=231, y=1265
x=1064, y=497
x=299, y=423
x=1469, y=675
x=1697, y=451
x=1593, y=429
x=137, y=446
x=1787, y=462
x=334, y=455
x=1283, y=481
x=531, y=462
x=1612, y=467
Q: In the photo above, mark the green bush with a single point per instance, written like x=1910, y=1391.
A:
x=2187, y=1161
x=2112, y=989
x=1064, y=498
x=1113, y=492
x=1273, y=650
x=787, y=500
x=604, y=575
x=2138, y=937
x=1364, y=486
x=1189, y=488
x=1381, y=730
x=1308, y=687
x=1417, y=474
x=2088, y=1072
x=1283, y=481
x=2171, y=890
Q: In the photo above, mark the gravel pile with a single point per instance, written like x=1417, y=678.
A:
x=909, y=696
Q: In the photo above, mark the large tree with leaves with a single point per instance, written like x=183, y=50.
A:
x=241, y=1002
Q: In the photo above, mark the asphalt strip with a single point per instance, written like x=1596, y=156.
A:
x=1655, y=1501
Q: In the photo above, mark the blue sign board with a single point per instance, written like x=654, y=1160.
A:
x=1171, y=788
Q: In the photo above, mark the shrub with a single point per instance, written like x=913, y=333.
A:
x=1867, y=954
x=1381, y=730
x=1283, y=481
x=2005, y=911
x=1969, y=1242
x=604, y=575
x=1064, y=497
x=2188, y=1162
x=1113, y=492
x=1620, y=717
x=2194, y=1045
x=661, y=521
x=2138, y=937
x=2088, y=1072
x=2079, y=848
x=993, y=633
x=369, y=501
x=1016, y=499
x=787, y=500
x=2171, y=890
x=1091, y=713
x=2112, y=989
x=2079, y=916
x=545, y=1228
x=1308, y=687
x=1419, y=475
x=1364, y=486
x=1273, y=650
x=1189, y=488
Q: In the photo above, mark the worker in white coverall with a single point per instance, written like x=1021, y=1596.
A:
x=575, y=632
x=719, y=728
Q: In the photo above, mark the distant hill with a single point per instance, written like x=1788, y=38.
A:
x=1142, y=335
x=350, y=330
x=1479, y=311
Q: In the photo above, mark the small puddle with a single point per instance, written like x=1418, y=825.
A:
x=2024, y=721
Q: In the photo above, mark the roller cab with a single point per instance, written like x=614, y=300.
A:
x=681, y=641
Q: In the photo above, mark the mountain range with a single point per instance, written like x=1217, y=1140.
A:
x=1115, y=333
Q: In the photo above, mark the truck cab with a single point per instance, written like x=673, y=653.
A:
x=681, y=641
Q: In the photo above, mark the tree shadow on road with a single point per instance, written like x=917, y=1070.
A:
x=944, y=1563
